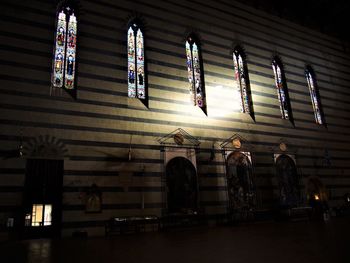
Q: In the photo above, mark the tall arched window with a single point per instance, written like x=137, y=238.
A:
x=136, y=62
x=195, y=72
x=242, y=78
x=315, y=98
x=282, y=91
x=64, y=62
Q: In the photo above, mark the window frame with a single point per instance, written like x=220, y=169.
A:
x=312, y=85
x=282, y=89
x=191, y=42
x=242, y=80
x=136, y=26
x=68, y=50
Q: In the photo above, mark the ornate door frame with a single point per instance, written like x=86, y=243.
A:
x=178, y=143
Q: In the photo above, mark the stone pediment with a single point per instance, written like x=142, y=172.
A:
x=283, y=146
x=179, y=138
x=236, y=143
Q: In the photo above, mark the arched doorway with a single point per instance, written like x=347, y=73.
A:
x=43, y=187
x=42, y=198
x=288, y=181
x=182, y=190
x=240, y=184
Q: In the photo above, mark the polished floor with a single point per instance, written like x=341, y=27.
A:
x=300, y=242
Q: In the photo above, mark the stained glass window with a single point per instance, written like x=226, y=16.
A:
x=194, y=71
x=242, y=78
x=136, y=62
x=315, y=99
x=281, y=87
x=63, y=73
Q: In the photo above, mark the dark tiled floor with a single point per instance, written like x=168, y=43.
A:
x=261, y=242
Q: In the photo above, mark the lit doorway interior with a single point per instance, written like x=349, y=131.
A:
x=41, y=215
x=42, y=199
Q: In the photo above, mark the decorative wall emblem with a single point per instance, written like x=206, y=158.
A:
x=45, y=147
x=283, y=147
x=236, y=142
x=178, y=138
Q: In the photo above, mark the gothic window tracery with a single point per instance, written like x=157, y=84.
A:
x=315, y=98
x=64, y=61
x=195, y=73
x=136, y=62
x=281, y=87
x=242, y=79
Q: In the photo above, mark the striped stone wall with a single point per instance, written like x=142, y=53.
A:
x=97, y=127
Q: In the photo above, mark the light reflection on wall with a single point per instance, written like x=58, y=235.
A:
x=224, y=104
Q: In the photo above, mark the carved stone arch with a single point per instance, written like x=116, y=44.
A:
x=75, y=4
x=310, y=69
x=46, y=147
x=239, y=48
x=193, y=33
x=137, y=18
x=276, y=58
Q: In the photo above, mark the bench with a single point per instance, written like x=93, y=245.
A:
x=131, y=224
